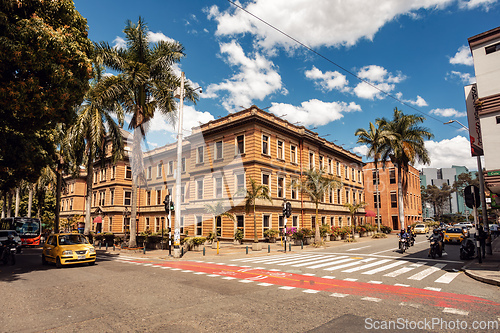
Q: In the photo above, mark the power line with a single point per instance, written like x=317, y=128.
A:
x=332, y=62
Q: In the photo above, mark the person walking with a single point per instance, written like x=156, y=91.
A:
x=482, y=240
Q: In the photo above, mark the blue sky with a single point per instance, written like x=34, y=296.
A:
x=416, y=51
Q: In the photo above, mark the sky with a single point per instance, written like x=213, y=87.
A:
x=317, y=63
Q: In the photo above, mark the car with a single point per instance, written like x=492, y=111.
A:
x=4, y=234
x=421, y=228
x=453, y=234
x=68, y=249
x=463, y=224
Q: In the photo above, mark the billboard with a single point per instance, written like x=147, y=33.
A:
x=476, y=141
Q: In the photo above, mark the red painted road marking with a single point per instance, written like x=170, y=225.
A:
x=397, y=293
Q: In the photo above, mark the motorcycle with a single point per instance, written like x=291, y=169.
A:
x=467, y=249
x=403, y=244
x=8, y=254
x=435, y=249
x=411, y=239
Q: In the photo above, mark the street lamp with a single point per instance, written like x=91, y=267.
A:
x=126, y=214
x=481, y=179
x=179, y=93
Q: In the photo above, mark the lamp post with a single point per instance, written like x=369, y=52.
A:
x=179, y=93
x=126, y=214
x=481, y=180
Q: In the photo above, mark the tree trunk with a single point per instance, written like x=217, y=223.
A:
x=9, y=203
x=401, y=208
x=88, y=196
x=255, y=238
x=377, y=199
x=58, y=199
x=317, y=235
x=16, y=212
x=4, y=206
x=133, y=216
x=30, y=199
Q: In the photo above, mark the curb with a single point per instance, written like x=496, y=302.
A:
x=482, y=279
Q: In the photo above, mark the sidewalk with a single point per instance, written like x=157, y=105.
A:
x=489, y=270
x=226, y=250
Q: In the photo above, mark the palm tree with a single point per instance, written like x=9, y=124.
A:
x=353, y=209
x=316, y=185
x=218, y=210
x=93, y=127
x=405, y=146
x=144, y=85
x=375, y=138
x=253, y=193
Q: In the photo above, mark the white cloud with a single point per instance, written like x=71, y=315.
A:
x=465, y=78
x=313, y=112
x=377, y=79
x=120, y=43
x=471, y=4
x=448, y=113
x=418, y=102
x=256, y=79
x=327, y=80
x=334, y=23
x=361, y=150
x=191, y=118
x=462, y=57
x=448, y=152
x=159, y=36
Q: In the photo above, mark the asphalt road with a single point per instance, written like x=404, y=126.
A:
x=242, y=294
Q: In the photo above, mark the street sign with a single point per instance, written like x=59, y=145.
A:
x=472, y=198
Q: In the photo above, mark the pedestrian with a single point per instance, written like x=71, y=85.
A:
x=482, y=240
x=494, y=230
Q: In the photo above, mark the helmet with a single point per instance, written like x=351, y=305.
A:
x=435, y=231
x=402, y=230
x=10, y=237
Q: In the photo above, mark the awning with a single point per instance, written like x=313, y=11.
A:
x=98, y=220
x=369, y=213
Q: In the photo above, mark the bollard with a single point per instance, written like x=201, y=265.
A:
x=182, y=251
x=203, y=251
x=268, y=248
x=290, y=247
x=217, y=247
x=113, y=247
x=247, y=249
x=106, y=247
x=100, y=245
x=301, y=244
x=144, y=249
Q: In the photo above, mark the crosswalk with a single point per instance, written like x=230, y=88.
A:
x=369, y=266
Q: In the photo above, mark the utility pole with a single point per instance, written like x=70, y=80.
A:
x=178, y=176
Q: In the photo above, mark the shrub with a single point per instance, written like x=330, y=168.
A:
x=324, y=229
x=379, y=235
x=238, y=235
x=269, y=233
x=199, y=240
x=385, y=229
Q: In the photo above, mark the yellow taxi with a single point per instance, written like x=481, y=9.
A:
x=453, y=234
x=67, y=249
x=421, y=228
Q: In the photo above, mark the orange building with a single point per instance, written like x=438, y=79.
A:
x=388, y=194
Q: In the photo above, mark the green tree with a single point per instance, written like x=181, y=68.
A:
x=353, y=209
x=218, y=210
x=437, y=197
x=405, y=147
x=144, y=85
x=44, y=73
x=254, y=193
x=375, y=138
x=95, y=126
x=316, y=184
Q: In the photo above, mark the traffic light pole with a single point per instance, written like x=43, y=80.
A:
x=169, y=234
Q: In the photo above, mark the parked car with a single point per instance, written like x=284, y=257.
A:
x=453, y=234
x=4, y=234
x=421, y=229
x=465, y=224
x=67, y=249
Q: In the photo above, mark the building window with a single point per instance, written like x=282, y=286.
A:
x=293, y=189
x=199, y=155
x=126, y=224
x=94, y=198
x=71, y=204
x=394, y=200
x=280, y=150
x=240, y=222
x=127, y=198
x=360, y=177
x=339, y=197
x=281, y=222
x=218, y=225
x=110, y=225
x=492, y=48
x=199, y=225
x=321, y=163
x=353, y=174
x=392, y=176
x=265, y=180
x=330, y=167
x=346, y=196
x=199, y=189
x=148, y=198
x=146, y=223
x=218, y=187
x=240, y=144
x=265, y=145
x=313, y=222
x=331, y=196
x=158, y=197
x=150, y=172
x=295, y=221
x=240, y=184
x=183, y=164
x=102, y=196
x=182, y=194
x=218, y=150
x=181, y=227
x=281, y=187
x=113, y=172
x=112, y=197
x=311, y=160
x=170, y=167
x=338, y=169
x=159, y=170
x=157, y=224
x=332, y=221
x=293, y=154
x=346, y=172
x=340, y=221
x=266, y=225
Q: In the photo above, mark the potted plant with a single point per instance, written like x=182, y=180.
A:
x=271, y=234
x=307, y=235
x=197, y=242
x=238, y=236
x=325, y=231
x=335, y=234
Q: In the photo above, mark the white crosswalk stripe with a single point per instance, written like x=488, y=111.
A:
x=348, y=264
x=359, y=268
x=383, y=268
x=329, y=263
x=405, y=269
x=447, y=278
x=427, y=272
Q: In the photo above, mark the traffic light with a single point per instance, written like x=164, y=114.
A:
x=288, y=209
x=172, y=206
x=166, y=202
x=284, y=209
x=471, y=199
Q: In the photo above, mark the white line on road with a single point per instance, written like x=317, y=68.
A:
x=371, y=299
x=401, y=285
x=264, y=284
x=426, y=272
x=331, y=262
x=447, y=278
x=375, y=282
x=311, y=291
x=286, y=288
x=383, y=268
x=405, y=269
x=355, y=269
x=350, y=280
x=348, y=264
x=328, y=277
x=432, y=289
x=339, y=295
x=456, y=311
x=319, y=261
x=358, y=248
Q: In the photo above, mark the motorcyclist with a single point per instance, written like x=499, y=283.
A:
x=411, y=233
x=403, y=235
x=436, y=236
x=6, y=244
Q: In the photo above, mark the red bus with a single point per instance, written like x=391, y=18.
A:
x=29, y=229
